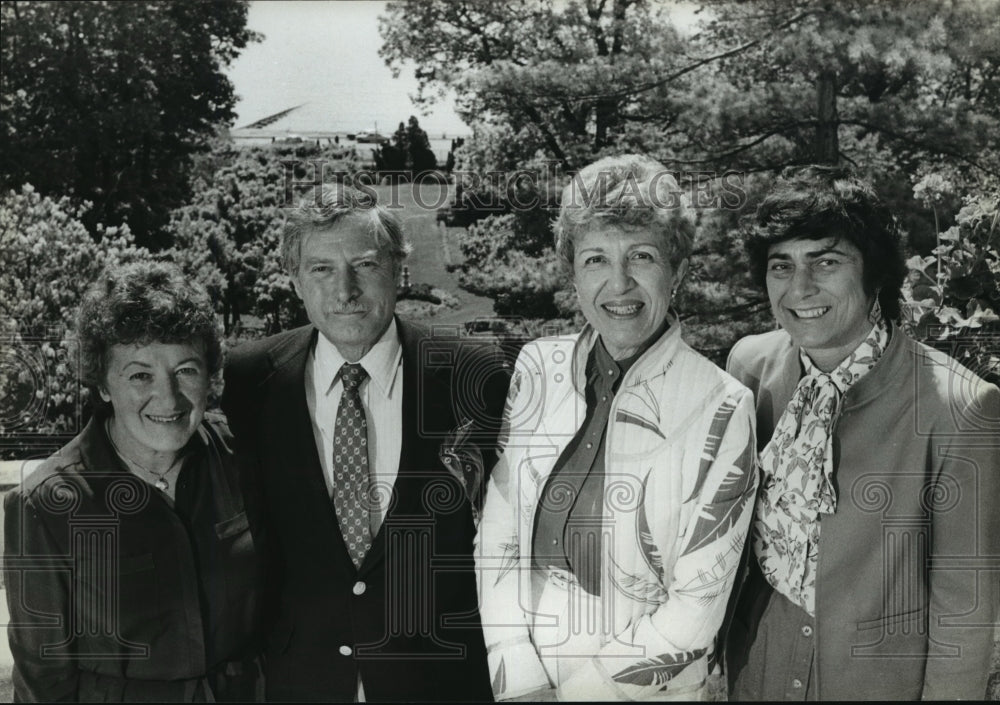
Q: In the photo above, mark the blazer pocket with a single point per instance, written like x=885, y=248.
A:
x=236, y=524
x=895, y=620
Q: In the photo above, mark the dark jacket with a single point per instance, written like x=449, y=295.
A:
x=408, y=620
x=108, y=598
x=906, y=583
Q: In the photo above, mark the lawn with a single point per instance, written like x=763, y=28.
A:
x=434, y=247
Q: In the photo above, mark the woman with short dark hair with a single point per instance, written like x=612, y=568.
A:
x=880, y=470
x=131, y=555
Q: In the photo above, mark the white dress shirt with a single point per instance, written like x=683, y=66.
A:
x=382, y=398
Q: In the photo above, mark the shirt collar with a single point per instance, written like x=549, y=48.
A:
x=381, y=362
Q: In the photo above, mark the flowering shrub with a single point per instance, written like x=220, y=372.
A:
x=233, y=223
x=47, y=260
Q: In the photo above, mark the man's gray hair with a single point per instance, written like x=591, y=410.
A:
x=336, y=202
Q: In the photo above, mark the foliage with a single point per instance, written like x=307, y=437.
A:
x=717, y=302
x=108, y=101
x=810, y=80
x=233, y=223
x=895, y=89
x=520, y=284
x=952, y=295
x=409, y=151
x=47, y=261
x=759, y=86
x=540, y=69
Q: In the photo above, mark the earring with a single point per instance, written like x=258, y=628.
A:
x=875, y=315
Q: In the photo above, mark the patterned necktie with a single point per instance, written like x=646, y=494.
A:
x=350, y=466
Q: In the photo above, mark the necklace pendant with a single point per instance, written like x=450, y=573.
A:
x=161, y=484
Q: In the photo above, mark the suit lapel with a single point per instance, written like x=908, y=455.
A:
x=290, y=414
x=410, y=338
x=411, y=449
x=292, y=430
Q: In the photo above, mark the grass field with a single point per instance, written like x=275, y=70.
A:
x=434, y=247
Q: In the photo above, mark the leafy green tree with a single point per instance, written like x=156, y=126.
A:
x=108, y=101
x=888, y=84
x=897, y=89
x=408, y=151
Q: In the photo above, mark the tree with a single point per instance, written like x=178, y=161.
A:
x=549, y=87
x=228, y=235
x=107, y=101
x=897, y=89
x=542, y=68
x=953, y=294
x=409, y=151
x=421, y=156
x=47, y=261
x=889, y=84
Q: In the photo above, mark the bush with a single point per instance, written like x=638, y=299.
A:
x=520, y=284
x=951, y=296
x=418, y=292
x=233, y=225
x=47, y=261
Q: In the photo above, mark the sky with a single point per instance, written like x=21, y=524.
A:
x=325, y=55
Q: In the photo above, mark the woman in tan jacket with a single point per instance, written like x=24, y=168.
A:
x=876, y=535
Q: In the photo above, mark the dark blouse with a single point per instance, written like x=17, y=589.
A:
x=567, y=533
x=116, y=595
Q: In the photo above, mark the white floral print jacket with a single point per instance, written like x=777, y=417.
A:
x=681, y=475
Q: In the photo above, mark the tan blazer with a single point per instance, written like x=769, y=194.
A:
x=906, y=592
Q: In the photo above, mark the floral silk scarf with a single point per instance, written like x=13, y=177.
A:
x=798, y=473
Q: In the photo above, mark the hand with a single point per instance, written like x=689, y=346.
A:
x=542, y=695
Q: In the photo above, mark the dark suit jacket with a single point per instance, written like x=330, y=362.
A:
x=408, y=620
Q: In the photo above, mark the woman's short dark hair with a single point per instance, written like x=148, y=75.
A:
x=816, y=202
x=138, y=304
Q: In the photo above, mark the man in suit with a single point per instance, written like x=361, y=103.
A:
x=351, y=421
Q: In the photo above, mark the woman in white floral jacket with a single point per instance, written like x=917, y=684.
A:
x=615, y=520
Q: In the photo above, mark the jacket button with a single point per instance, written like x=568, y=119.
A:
x=796, y=683
x=807, y=630
x=359, y=588
x=346, y=650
